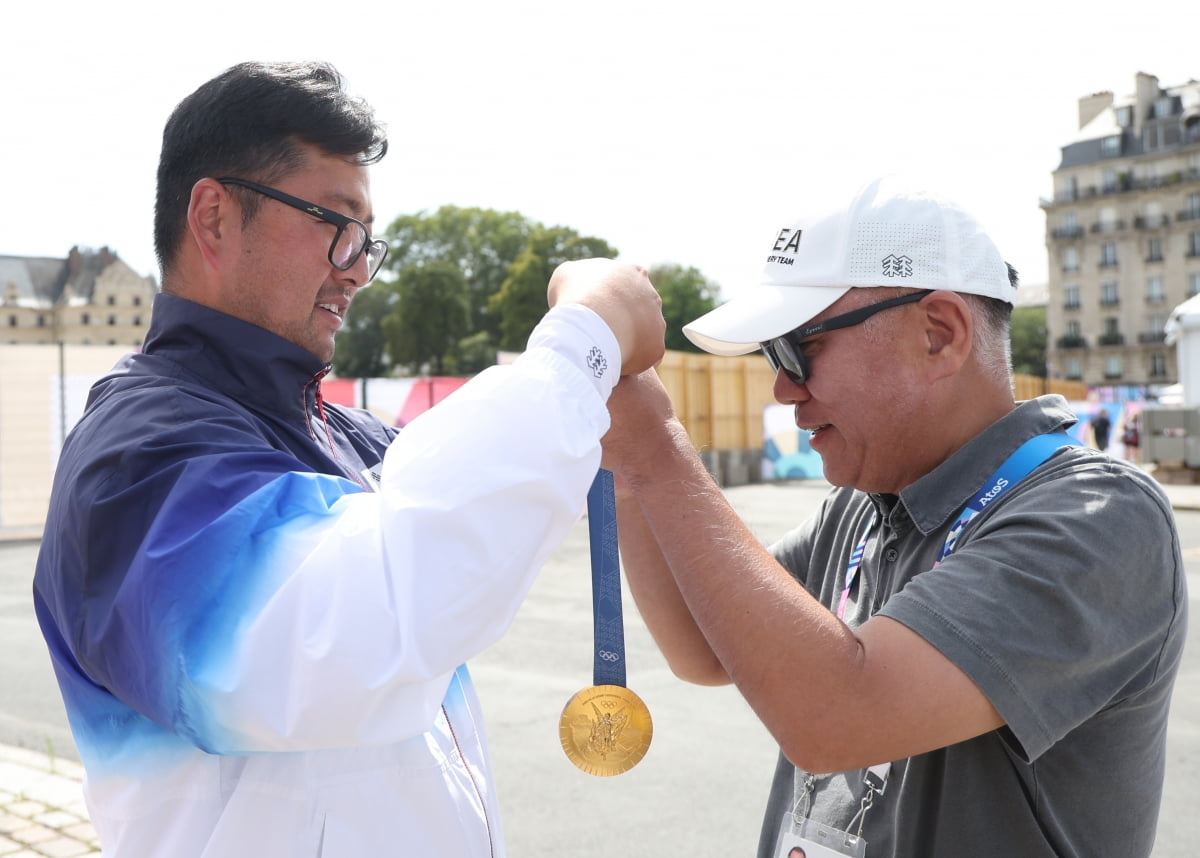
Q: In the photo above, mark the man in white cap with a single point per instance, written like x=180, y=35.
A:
x=970, y=648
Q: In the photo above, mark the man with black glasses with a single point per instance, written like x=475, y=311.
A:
x=970, y=649
x=258, y=604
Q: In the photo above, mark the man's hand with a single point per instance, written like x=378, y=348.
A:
x=623, y=296
x=644, y=427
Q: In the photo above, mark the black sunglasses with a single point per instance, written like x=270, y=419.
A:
x=349, y=242
x=786, y=352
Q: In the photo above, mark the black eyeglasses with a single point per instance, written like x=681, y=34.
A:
x=786, y=352
x=350, y=240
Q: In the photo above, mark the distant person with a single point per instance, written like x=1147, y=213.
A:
x=259, y=604
x=1132, y=437
x=1101, y=427
x=970, y=648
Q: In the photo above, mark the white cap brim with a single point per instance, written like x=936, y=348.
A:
x=761, y=313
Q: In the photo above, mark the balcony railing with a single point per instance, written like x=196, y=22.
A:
x=1113, y=338
x=1151, y=221
x=1149, y=338
x=1072, y=341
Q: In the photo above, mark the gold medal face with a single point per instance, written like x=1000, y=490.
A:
x=605, y=730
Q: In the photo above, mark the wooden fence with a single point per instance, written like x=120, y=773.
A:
x=720, y=400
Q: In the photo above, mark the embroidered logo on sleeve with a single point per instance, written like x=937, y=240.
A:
x=596, y=361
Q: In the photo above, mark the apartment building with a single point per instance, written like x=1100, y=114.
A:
x=1123, y=235
x=88, y=298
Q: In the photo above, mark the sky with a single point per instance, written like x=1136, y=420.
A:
x=678, y=132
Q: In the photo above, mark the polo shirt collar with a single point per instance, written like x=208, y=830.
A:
x=942, y=493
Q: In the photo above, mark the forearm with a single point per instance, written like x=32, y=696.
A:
x=794, y=661
x=659, y=601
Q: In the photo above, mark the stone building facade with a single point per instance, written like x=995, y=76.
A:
x=1123, y=235
x=89, y=298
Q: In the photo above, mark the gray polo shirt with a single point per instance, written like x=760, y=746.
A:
x=1064, y=601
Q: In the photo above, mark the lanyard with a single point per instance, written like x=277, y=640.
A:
x=1014, y=469
x=609, y=663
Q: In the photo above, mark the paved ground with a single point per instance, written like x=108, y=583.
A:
x=698, y=792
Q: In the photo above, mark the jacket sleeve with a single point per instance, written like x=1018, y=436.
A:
x=306, y=613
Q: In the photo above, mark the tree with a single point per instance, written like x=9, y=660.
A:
x=430, y=316
x=1028, y=336
x=521, y=301
x=481, y=243
x=686, y=295
x=361, y=345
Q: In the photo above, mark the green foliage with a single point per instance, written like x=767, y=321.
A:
x=361, y=345
x=481, y=243
x=686, y=295
x=521, y=301
x=430, y=316
x=462, y=283
x=1029, y=341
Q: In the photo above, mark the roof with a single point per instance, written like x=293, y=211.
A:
x=41, y=281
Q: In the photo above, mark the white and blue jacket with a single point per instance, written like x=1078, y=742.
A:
x=262, y=653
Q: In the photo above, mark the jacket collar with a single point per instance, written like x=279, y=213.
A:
x=242, y=360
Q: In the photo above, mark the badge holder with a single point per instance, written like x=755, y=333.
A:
x=801, y=837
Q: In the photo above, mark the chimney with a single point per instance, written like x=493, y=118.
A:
x=1147, y=93
x=1091, y=106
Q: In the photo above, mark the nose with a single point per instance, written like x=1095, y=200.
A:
x=786, y=391
x=354, y=277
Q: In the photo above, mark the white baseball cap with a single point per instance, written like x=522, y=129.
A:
x=891, y=234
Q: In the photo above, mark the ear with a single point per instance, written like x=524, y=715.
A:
x=948, y=333
x=214, y=221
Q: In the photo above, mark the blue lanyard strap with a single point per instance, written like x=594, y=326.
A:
x=1014, y=469
x=609, y=664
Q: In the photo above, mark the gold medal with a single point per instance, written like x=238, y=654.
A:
x=605, y=730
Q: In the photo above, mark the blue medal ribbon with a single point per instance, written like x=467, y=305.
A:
x=609, y=665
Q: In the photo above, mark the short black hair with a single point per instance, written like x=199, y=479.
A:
x=250, y=121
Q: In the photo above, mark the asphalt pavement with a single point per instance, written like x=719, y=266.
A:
x=699, y=791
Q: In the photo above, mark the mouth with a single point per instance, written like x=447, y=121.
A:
x=336, y=309
x=814, y=431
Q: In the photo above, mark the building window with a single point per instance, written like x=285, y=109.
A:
x=112, y=321
x=1108, y=179
x=1158, y=365
x=1154, y=291
x=1193, y=284
x=1069, y=227
x=41, y=323
x=1110, y=146
x=1070, y=190
x=1110, y=294
x=1108, y=254
x=137, y=321
x=1073, y=329
x=1154, y=251
x=1071, y=298
x=1193, y=244
x=112, y=301
x=1074, y=369
x=1112, y=335
x=1113, y=367
x=1070, y=259
x=85, y=319
x=12, y=321
x=1191, y=207
x=137, y=300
